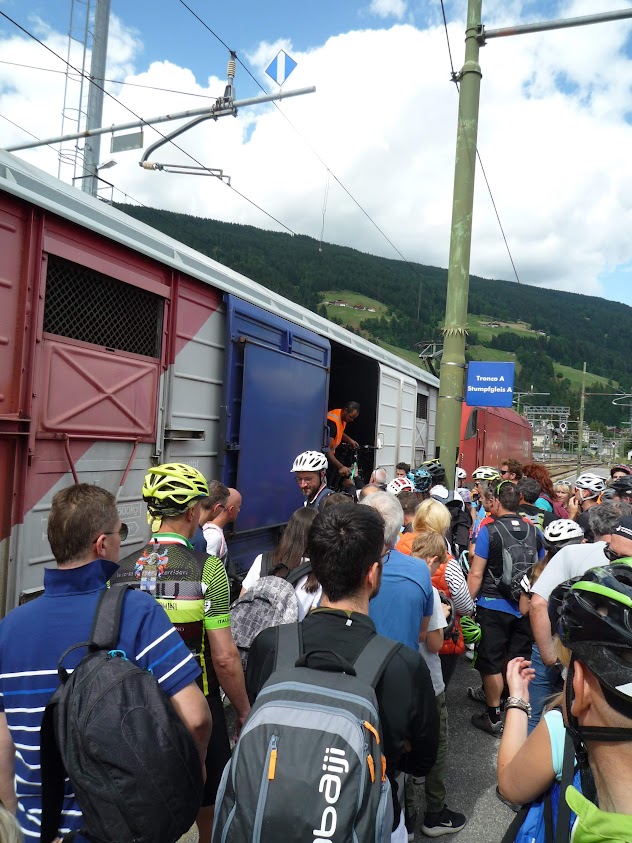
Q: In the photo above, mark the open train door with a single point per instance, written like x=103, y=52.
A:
x=276, y=390
x=397, y=402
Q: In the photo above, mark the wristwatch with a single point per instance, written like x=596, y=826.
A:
x=517, y=702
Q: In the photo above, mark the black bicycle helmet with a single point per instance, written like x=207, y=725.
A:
x=622, y=486
x=436, y=469
x=595, y=623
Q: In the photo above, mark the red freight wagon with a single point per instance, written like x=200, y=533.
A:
x=492, y=434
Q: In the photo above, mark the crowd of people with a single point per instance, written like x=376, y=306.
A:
x=530, y=579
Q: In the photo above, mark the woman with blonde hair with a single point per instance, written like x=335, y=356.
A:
x=430, y=517
x=562, y=491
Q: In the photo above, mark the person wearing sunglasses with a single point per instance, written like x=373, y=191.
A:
x=85, y=535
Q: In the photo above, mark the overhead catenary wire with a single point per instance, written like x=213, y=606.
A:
x=455, y=79
x=171, y=222
x=410, y=265
x=114, y=81
x=139, y=118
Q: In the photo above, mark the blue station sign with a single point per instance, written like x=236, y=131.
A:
x=490, y=384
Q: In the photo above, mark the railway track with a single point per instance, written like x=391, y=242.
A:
x=561, y=469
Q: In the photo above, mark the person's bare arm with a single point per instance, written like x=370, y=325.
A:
x=475, y=576
x=541, y=628
x=7, y=767
x=349, y=441
x=229, y=670
x=525, y=764
x=192, y=708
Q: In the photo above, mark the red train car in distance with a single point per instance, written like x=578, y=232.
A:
x=490, y=435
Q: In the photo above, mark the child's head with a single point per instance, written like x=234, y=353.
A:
x=430, y=547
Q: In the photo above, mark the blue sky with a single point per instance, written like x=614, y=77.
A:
x=555, y=125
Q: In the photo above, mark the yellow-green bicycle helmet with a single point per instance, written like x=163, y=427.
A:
x=174, y=484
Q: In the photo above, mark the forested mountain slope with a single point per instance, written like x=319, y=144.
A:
x=573, y=328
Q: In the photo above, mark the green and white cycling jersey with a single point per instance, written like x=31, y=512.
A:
x=595, y=826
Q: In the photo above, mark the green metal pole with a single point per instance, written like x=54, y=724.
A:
x=580, y=431
x=452, y=375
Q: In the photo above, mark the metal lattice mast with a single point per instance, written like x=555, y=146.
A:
x=74, y=110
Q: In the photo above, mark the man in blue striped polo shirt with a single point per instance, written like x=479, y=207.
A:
x=85, y=534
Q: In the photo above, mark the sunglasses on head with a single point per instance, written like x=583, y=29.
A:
x=611, y=555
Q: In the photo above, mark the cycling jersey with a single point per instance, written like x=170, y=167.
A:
x=191, y=587
x=596, y=826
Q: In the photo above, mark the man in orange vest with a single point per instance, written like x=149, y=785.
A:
x=337, y=420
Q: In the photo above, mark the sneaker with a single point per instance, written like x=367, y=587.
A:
x=483, y=722
x=411, y=823
x=477, y=694
x=442, y=822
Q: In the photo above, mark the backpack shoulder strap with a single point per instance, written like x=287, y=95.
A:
x=107, y=617
x=289, y=645
x=297, y=573
x=568, y=771
x=266, y=563
x=53, y=774
x=370, y=664
x=516, y=824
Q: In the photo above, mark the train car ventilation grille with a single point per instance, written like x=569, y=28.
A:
x=85, y=305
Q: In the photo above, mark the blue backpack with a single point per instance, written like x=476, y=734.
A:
x=546, y=819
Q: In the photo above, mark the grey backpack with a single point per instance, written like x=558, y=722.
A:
x=308, y=765
x=271, y=601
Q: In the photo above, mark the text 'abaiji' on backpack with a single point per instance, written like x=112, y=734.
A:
x=308, y=765
x=113, y=731
x=519, y=540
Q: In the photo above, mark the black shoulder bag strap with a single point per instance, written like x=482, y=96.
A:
x=289, y=645
x=370, y=664
x=104, y=636
x=266, y=563
x=297, y=573
x=107, y=618
x=563, y=809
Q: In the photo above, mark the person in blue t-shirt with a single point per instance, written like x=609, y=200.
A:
x=85, y=535
x=505, y=632
x=404, y=605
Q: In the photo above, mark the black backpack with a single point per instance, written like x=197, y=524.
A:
x=519, y=540
x=112, y=730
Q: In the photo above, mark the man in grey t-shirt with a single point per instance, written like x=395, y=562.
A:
x=609, y=522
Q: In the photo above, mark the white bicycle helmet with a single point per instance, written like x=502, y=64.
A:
x=485, y=472
x=400, y=484
x=592, y=482
x=310, y=461
x=461, y=474
x=563, y=530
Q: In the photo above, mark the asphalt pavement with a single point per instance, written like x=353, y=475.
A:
x=471, y=768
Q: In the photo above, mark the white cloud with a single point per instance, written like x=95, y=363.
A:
x=552, y=135
x=388, y=8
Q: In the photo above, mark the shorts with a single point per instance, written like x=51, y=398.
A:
x=503, y=637
x=218, y=752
